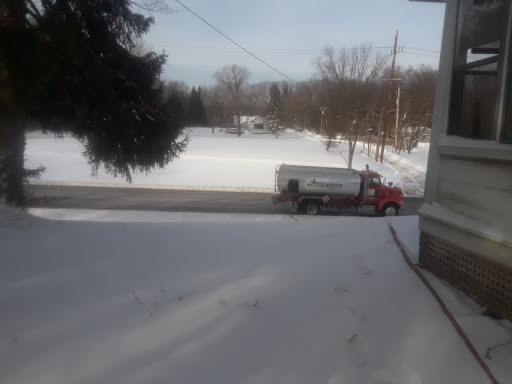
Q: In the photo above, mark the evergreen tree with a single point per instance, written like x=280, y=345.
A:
x=202, y=109
x=275, y=110
x=67, y=65
x=196, y=112
x=176, y=109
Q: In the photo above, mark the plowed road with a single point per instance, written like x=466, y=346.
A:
x=45, y=196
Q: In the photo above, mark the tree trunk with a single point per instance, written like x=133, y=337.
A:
x=352, y=145
x=379, y=135
x=12, y=115
x=328, y=143
x=239, y=124
x=383, y=140
x=12, y=137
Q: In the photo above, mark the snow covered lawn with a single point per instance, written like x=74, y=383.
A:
x=416, y=160
x=219, y=161
x=200, y=298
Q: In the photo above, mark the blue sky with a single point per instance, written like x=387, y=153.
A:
x=289, y=34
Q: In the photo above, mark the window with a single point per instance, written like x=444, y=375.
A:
x=479, y=77
x=374, y=182
x=258, y=126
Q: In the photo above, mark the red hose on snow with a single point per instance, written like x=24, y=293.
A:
x=443, y=306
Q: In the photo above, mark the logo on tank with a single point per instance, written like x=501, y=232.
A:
x=323, y=184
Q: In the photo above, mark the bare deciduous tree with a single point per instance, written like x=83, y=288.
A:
x=301, y=105
x=139, y=48
x=159, y=6
x=179, y=88
x=257, y=98
x=352, y=79
x=233, y=78
x=417, y=103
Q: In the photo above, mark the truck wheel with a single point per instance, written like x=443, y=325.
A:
x=390, y=210
x=312, y=208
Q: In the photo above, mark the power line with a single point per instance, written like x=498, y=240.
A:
x=187, y=50
x=177, y=45
x=268, y=51
x=421, y=49
x=231, y=51
x=234, y=42
x=421, y=54
x=234, y=54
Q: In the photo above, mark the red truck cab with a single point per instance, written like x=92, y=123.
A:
x=379, y=198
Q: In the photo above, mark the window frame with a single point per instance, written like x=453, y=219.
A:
x=503, y=91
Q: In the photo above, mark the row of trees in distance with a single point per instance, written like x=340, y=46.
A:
x=348, y=97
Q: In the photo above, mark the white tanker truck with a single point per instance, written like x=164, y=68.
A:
x=311, y=188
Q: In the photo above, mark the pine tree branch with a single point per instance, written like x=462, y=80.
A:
x=33, y=11
x=47, y=5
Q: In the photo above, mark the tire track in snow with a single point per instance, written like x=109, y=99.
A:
x=414, y=174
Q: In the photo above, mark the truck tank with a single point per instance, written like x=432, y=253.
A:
x=341, y=183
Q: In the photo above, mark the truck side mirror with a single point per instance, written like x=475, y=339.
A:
x=390, y=183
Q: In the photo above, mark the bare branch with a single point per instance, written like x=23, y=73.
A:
x=157, y=6
x=344, y=158
x=139, y=48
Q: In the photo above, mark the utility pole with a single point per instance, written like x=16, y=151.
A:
x=381, y=126
x=397, y=124
x=390, y=92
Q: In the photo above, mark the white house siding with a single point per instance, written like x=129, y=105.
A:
x=478, y=190
x=466, y=220
x=248, y=123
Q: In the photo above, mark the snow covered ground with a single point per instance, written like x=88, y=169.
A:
x=152, y=297
x=219, y=161
x=202, y=298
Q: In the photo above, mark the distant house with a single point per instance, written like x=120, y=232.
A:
x=420, y=135
x=255, y=124
x=466, y=219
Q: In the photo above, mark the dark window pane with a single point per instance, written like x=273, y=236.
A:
x=474, y=107
x=507, y=129
x=480, y=38
x=481, y=26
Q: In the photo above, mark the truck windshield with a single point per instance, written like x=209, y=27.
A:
x=374, y=182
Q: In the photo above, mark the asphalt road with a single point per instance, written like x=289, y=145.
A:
x=45, y=196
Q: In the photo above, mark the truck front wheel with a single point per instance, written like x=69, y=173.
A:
x=390, y=210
